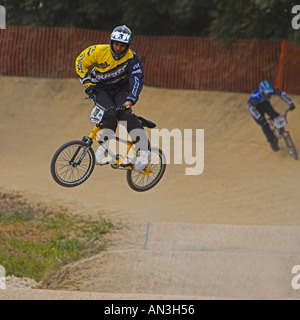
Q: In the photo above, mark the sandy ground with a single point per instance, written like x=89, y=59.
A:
x=244, y=183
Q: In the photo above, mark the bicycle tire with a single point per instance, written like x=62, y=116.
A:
x=142, y=182
x=290, y=145
x=67, y=174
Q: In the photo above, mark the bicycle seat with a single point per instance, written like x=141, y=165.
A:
x=147, y=123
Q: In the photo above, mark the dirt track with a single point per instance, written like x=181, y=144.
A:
x=244, y=182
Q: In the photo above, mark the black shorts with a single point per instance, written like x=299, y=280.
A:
x=116, y=97
x=265, y=107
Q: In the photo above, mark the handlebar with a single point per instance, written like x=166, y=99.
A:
x=285, y=114
x=93, y=98
x=286, y=111
x=100, y=111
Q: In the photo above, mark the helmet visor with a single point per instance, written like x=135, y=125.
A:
x=268, y=90
x=120, y=36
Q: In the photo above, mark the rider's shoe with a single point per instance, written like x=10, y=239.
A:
x=101, y=152
x=274, y=145
x=142, y=160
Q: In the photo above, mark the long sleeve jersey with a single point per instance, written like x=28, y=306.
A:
x=108, y=72
x=256, y=97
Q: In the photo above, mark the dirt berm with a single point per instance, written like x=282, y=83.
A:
x=229, y=232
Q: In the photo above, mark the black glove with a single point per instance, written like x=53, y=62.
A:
x=90, y=89
x=292, y=107
x=125, y=106
x=262, y=120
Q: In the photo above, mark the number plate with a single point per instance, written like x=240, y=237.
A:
x=280, y=122
x=97, y=114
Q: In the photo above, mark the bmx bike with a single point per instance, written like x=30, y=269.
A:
x=277, y=125
x=74, y=162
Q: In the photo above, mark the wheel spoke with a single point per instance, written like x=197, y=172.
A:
x=290, y=145
x=145, y=181
x=69, y=173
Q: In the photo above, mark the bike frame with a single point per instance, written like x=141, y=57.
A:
x=74, y=161
x=119, y=161
x=281, y=132
x=278, y=132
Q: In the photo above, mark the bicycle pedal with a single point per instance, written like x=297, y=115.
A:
x=127, y=165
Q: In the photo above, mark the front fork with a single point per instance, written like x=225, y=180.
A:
x=278, y=132
x=89, y=141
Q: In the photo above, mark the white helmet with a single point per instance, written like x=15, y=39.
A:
x=120, y=34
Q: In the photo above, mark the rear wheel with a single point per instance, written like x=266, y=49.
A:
x=72, y=164
x=152, y=174
x=290, y=145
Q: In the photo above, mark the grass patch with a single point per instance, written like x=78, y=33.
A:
x=34, y=241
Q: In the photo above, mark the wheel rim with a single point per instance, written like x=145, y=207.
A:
x=66, y=171
x=143, y=181
x=290, y=146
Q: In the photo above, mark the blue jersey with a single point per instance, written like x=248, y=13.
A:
x=257, y=97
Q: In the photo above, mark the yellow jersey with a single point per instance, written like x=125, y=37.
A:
x=97, y=65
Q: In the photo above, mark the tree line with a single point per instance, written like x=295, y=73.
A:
x=219, y=19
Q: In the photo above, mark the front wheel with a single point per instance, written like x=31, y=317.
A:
x=290, y=145
x=151, y=175
x=73, y=163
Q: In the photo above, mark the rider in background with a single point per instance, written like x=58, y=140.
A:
x=259, y=104
x=116, y=80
